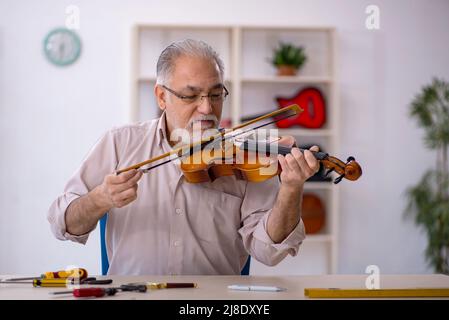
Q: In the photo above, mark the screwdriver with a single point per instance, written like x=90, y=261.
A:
x=62, y=274
x=165, y=285
x=60, y=282
x=100, y=292
x=90, y=292
x=43, y=282
x=169, y=285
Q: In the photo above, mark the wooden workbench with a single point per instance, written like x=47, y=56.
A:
x=215, y=287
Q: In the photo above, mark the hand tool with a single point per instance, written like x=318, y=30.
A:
x=100, y=292
x=166, y=285
x=62, y=274
x=89, y=292
x=375, y=293
x=133, y=287
x=43, y=282
x=61, y=282
x=93, y=280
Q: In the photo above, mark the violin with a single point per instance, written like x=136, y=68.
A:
x=255, y=160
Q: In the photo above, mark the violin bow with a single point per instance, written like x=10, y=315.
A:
x=293, y=109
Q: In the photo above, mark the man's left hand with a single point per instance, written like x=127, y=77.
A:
x=298, y=167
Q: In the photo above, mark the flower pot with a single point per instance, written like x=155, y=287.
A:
x=286, y=70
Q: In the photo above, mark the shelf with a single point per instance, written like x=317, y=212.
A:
x=322, y=185
x=209, y=27
x=254, y=85
x=270, y=28
x=288, y=79
x=267, y=79
x=306, y=132
x=318, y=238
x=153, y=79
x=147, y=79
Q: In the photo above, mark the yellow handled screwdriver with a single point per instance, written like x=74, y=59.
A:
x=62, y=274
x=43, y=282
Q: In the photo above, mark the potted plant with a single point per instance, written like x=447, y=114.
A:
x=428, y=201
x=288, y=59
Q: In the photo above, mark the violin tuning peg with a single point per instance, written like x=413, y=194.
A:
x=328, y=171
x=338, y=179
x=350, y=159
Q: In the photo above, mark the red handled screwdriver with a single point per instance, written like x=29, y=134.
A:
x=100, y=292
x=90, y=292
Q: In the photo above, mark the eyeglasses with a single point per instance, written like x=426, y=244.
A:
x=214, y=98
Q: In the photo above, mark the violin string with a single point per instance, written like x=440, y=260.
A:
x=188, y=152
x=218, y=140
x=170, y=160
x=223, y=138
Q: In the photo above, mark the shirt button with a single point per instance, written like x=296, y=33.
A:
x=177, y=243
x=178, y=211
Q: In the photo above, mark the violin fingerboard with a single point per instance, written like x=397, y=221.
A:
x=283, y=150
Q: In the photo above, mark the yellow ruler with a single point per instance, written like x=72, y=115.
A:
x=375, y=293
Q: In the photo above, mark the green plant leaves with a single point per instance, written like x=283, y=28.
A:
x=431, y=108
x=430, y=207
x=288, y=54
x=428, y=201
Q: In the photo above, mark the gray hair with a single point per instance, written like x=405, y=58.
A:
x=186, y=47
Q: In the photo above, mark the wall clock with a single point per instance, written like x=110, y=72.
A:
x=62, y=46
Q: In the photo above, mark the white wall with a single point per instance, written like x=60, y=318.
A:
x=51, y=116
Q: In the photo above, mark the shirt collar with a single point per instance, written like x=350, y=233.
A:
x=162, y=141
x=162, y=129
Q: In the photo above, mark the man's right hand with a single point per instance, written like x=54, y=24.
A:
x=117, y=191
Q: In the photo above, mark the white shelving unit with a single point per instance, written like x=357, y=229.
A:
x=253, y=85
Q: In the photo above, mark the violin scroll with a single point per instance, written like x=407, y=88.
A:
x=350, y=170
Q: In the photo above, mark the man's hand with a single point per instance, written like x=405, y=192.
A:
x=286, y=213
x=117, y=191
x=298, y=167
